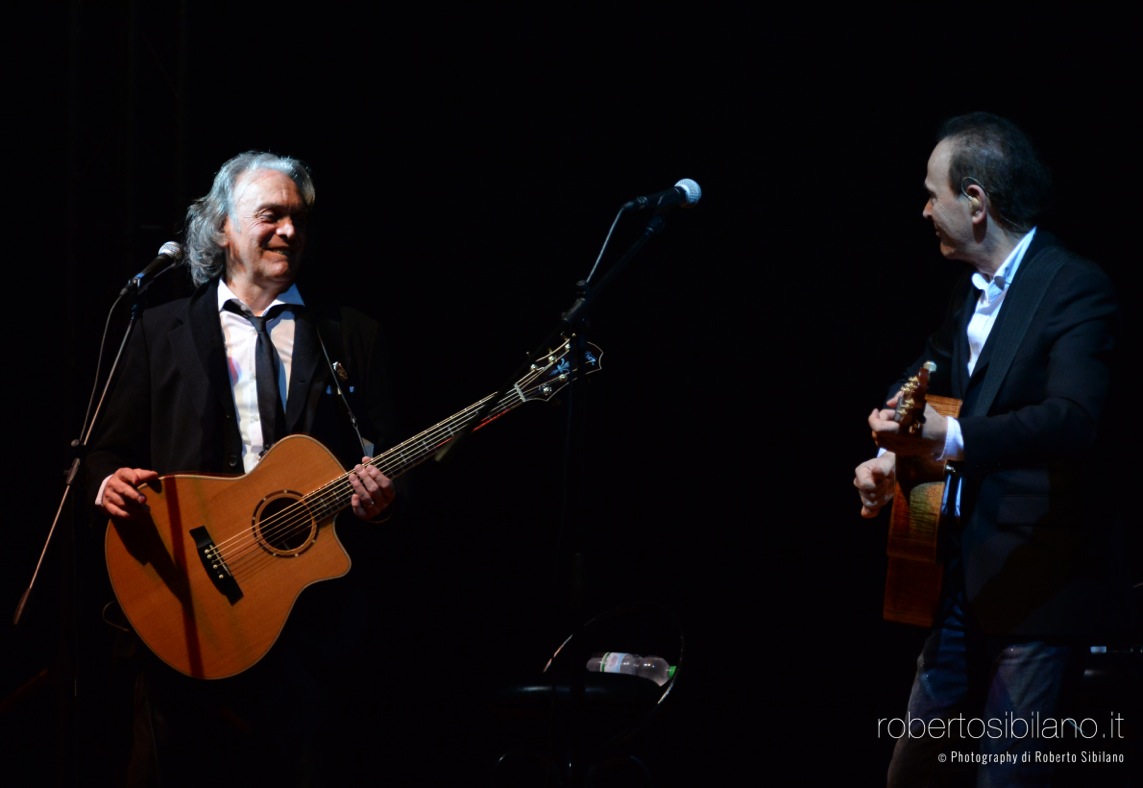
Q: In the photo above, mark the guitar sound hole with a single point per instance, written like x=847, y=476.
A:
x=283, y=523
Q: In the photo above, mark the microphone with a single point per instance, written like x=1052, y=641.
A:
x=170, y=255
x=686, y=193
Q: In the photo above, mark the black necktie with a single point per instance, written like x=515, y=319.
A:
x=266, y=373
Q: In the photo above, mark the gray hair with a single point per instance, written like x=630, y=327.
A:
x=206, y=216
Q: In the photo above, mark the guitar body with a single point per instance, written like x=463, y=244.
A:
x=210, y=587
x=914, y=571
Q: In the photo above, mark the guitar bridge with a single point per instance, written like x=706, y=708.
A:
x=215, y=565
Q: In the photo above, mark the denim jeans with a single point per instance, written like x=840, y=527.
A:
x=987, y=696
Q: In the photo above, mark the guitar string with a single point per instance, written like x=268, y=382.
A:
x=322, y=503
x=245, y=552
x=241, y=551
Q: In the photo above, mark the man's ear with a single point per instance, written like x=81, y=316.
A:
x=975, y=193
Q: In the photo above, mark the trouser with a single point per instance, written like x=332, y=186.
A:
x=978, y=708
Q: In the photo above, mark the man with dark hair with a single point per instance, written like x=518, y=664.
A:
x=190, y=399
x=1026, y=349
x=992, y=150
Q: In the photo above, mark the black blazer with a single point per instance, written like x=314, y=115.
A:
x=1033, y=542
x=171, y=408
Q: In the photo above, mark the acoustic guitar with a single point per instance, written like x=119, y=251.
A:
x=914, y=572
x=210, y=587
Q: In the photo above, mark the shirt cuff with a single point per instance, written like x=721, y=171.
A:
x=954, y=442
x=99, y=495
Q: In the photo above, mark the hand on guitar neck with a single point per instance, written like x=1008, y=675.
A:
x=909, y=425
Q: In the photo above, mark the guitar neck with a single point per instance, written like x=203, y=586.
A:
x=332, y=498
x=409, y=454
x=541, y=382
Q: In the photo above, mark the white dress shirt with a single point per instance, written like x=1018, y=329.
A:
x=992, y=290
x=241, y=337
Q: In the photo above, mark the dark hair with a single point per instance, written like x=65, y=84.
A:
x=996, y=155
x=207, y=215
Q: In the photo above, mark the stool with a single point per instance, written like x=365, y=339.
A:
x=579, y=728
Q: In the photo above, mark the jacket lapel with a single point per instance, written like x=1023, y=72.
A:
x=308, y=372
x=1039, y=267
x=201, y=338
x=960, y=345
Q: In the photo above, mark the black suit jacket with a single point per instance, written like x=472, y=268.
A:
x=1034, y=546
x=171, y=408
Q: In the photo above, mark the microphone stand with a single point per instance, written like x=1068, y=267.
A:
x=561, y=698
x=569, y=320
x=572, y=323
x=67, y=665
x=135, y=287
x=79, y=445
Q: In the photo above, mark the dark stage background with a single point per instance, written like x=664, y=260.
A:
x=469, y=168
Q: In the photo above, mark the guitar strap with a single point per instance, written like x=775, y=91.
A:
x=1027, y=294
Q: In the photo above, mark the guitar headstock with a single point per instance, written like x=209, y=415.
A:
x=559, y=367
x=911, y=400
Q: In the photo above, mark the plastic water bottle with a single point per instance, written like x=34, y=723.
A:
x=654, y=668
